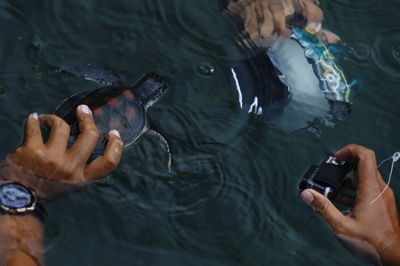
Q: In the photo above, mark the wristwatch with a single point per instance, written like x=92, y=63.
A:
x=17, y=199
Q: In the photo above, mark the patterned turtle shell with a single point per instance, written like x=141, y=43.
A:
x=120, y=108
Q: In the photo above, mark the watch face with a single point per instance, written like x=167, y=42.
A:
x=15, y=196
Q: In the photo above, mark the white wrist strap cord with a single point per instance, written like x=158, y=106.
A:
x=395, y=157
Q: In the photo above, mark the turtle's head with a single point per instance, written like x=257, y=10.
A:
x=150, y=88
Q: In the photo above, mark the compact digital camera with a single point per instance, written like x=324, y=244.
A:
x=326, y=178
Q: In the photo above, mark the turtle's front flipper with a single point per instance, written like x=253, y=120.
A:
x=95, y=73
x=164, y=141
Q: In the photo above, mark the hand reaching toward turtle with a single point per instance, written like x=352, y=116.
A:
x=51, y=168
x=118, y=106
x=372, y=230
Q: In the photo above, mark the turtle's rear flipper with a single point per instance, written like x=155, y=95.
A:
x=164, y=141
x=95, y=73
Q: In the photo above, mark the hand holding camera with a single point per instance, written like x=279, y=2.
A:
x=328, y=178
x=371, y=231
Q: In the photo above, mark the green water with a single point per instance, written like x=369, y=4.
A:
x=231, y=199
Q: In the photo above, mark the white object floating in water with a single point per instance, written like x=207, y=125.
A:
x=307, y=101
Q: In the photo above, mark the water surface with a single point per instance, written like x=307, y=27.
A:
x=232, y=198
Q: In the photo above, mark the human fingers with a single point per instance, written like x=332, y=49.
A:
x=59, y=134
x=369, y=179
x=267, y=25
x=251, y=18
x=88, y=137
x=33, y=135
x=310, y=11
x=103, y=165
x=345, y=195
x=325, y=208
x=351, y=182
x=329, y=37
x=279, y=18
x=382, y=183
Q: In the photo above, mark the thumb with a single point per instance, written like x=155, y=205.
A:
x=325, y=208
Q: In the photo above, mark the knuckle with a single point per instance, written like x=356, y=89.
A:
x=361, y=151
x=67, y=171
x=58, y=122
x=92, y=133
x=390, y=193
x=63, y=130
x=352, y=146
x=354, y=149
x=339, y=228
x=19, y=150
x=322, y=208
x=110, y=163
x=119, y=143
x=85, y=118
x=59, y=167
x=32, y=127
x=37, y=153
x=64, y=126
x=52, y=162
x=369, y=152
x=52, y=119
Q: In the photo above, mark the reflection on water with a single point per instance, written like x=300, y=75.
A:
x=205, y=69
x=231, y=198
x=307, y=101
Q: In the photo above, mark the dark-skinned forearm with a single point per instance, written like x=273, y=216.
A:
x=22, y=240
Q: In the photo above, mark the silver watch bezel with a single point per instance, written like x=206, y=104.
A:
x=29, y=208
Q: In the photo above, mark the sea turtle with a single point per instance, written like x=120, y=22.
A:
x=116, y=106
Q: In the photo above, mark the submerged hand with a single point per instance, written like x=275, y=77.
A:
x=372, y=230
x=52, y=168
x=265, y=20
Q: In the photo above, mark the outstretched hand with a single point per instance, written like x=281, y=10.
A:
x=51, y=168
x=371, y=231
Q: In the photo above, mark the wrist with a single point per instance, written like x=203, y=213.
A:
x=43, y=187
x=16, y=199
x=10, y=172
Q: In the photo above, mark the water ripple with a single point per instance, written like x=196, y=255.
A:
x=195, y=183
x=359, y=52
x=351, y=10
x=385, y=53
x=236, y=209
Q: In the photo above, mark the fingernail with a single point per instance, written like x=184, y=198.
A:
x=307, y=197
x=115, y=133
x=84, y=109
x=314, y=26
x=35, y=116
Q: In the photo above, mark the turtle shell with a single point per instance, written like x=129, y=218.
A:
x=112, y=108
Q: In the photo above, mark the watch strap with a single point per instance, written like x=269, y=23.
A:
x=39, y=212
